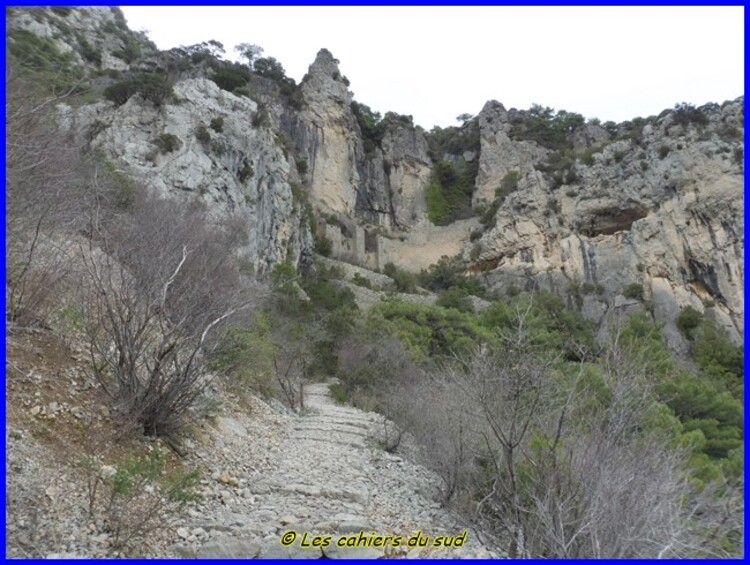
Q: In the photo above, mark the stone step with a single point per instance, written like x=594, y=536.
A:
x=331, y=430
x=328, y=439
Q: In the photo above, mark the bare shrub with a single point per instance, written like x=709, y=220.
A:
x=43, y=197
x=164, y=285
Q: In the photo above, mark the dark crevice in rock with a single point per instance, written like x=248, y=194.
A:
x=705, y=274
x=608, y=221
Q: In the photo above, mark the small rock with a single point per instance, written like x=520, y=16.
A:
x=100, y=539
x=52, y=492
x=183, y=533
x=107, y=471
x=289, y=520
x=36, y=410
x=226, y=479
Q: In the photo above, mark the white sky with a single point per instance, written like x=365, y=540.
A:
x=614, y=63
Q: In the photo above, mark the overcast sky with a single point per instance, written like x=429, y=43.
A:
x=614, y=63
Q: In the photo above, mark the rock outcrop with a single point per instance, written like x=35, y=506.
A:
x=240, y=170
x=592, y=209
x=662, y=208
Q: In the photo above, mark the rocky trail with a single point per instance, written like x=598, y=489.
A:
x=324, y=473
x=264, y=471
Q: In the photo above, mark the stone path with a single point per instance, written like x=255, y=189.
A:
x=326, y=475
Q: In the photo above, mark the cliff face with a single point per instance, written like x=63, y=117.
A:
x=661, y=207
x=582, y=210
x=383, y=186
x=240, y=170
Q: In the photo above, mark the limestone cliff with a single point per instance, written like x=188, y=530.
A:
x=658, y=204
x=199, y=143
x=582, y=209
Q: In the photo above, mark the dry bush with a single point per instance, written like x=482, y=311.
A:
x=43, y=199
x=163, y=288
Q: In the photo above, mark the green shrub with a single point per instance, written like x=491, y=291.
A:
x=686, y=114
x=633, y=291
x=246, y=355
x=326, y=295
x=719, y=357
x=448, y=195
x=729, y=133
x=370, y=126
x=405, y=281
x=302, y=166
x=508, y=185
x=663, y=151
x=359, y=280
x=246, y=171
x=447, y=273
x=133, y=495
x=202, y=135
x=323, y=245
x=451, y=185
x=338, y=393
x=152, y=87
x=88, y=52
x=261, y=118
x=120, y=92
x=550, y=324
x=589, y=287
x=130, y=50
x=217, y=124
x=543, y=126
x=457, y=298
x=688, y=319
x=453, y=141
x=429, y=332
x=52, y=70
x=167, y=142
x=559, y=168
x=587, y=157
x=389, y=269
x=488, y=217
x=230, y=76
x=270, y=68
